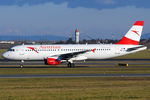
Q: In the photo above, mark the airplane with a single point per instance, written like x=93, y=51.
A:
x=68, y=53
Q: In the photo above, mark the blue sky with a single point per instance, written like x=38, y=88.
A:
x=94, y=18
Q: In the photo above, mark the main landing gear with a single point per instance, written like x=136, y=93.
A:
x=70, y=65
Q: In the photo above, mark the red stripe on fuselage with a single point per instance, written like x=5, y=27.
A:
x=128, y=41
x=32, y=48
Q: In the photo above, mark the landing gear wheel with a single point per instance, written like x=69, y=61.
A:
x=70, y=65
x=22, y=63
x=21, y=66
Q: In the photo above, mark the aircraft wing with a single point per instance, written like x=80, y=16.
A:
x=72, y=55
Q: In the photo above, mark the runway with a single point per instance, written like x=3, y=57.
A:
x=81, y=64
x=90, y=63
x=74, y=75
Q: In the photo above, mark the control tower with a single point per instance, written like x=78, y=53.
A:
x=77, y=36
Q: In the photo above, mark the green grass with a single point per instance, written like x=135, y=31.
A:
x=1, y=51
x=123, y=88
x=118, y=70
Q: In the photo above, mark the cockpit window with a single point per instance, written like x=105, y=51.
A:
x=11, y=49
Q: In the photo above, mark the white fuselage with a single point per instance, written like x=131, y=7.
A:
x=41, y=52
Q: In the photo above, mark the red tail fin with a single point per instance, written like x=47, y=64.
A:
x=133, y=35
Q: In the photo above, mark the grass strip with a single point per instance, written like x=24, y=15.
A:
x=32, y=71
x=109, y=88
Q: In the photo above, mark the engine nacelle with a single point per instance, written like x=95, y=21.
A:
x=52, y=61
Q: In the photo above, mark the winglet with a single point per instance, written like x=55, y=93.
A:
x=93, y=50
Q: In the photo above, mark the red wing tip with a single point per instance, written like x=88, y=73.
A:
x=139, y=23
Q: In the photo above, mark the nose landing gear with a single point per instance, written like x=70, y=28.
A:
x=22, y=63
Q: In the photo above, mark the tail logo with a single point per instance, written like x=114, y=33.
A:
x=136, y=32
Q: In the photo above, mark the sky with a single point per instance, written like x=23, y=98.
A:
x=94, y=18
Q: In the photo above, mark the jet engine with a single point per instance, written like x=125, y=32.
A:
x=52, y=61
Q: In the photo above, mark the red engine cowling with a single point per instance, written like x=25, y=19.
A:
x=53, y=61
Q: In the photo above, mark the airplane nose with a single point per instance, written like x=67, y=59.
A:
x=5, y=55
